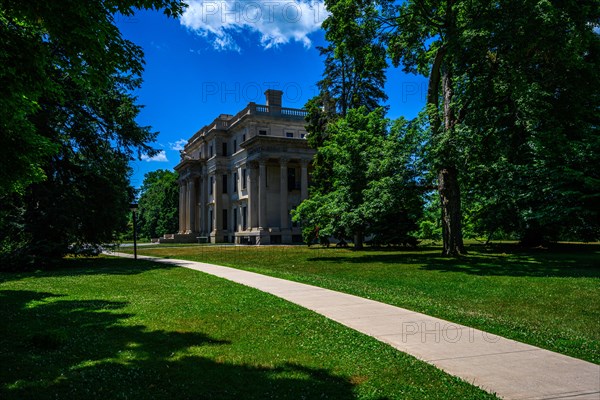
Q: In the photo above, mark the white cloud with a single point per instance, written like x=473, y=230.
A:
x=178, y=145
x=161, y=156
x=276, y=22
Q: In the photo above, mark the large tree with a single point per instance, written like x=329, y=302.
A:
x=425, y=39
x=530, y=131
x=354, y=76
x=355, y=58
x=67, y=120
x=373, y=181
x=512, y=108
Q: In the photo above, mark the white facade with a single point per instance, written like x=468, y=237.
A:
x=241, y=176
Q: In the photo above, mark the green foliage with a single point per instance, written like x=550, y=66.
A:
x=373, y=182
x=354, y=76
x=430, y=227
x=532, y=120
x=67, y=122
x=159, y=204
x=513, y=108
x=355, y=60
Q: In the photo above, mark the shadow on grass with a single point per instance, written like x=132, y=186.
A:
x=56, y=348
x=572, y=260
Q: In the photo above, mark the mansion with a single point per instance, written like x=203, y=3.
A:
x=241, y=175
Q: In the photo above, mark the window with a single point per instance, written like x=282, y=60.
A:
x=235, y=225
x=302, y=135
x=234, y=145
x=235, y=182
x=262, y=132
x=291, y=179
x=210, y=185
x=210, y=150
x=244, y=218
x=224, y=220
x=224, y=183
x=210, y=220
x=224, y=149
x=289, y=134
x=244, y=178
x=244, y=137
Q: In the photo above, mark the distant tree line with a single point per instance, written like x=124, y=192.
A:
x=158, y=204
x=508, y=136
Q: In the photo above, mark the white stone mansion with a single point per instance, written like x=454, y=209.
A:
x=241, y=175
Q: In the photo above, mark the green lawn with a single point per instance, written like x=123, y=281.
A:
x=111, y=328
x=548, y=298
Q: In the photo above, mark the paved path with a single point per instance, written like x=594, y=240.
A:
x=511, y=369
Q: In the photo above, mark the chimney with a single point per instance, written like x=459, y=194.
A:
x=274, y=100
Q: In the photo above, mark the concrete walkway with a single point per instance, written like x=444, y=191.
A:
x=511, y=369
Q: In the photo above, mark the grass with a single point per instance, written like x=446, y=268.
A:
x=111, y=328
x=548, y=298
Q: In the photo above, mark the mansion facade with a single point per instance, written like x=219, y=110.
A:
x=241, y=175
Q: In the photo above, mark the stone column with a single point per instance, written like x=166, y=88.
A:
x=197, y=210
x=205, y=189
x=304, y=180
x=216, y=201
x=283, y=193
x=191, y=205
x=201, y=204
x=252, y=209
x=182, y=190
x=262, y=194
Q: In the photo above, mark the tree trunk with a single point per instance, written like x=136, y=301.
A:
x=358, y=240
x=451, y=214
x=448, y=187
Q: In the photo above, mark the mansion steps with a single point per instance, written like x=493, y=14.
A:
x=241, y=176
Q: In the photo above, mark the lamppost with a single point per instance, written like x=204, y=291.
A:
x=133, y=207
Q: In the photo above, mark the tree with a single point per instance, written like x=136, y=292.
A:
x=354, y=76
x=425, y=39
x=159, y=203
x=372, y=177
x=532, y=119
x=355, y=60
x=511, y=109
x=67, y=120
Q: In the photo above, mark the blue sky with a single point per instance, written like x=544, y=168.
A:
x=221, y=55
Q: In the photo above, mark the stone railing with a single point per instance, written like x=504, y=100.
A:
x=251, y=109
x=294, y=112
